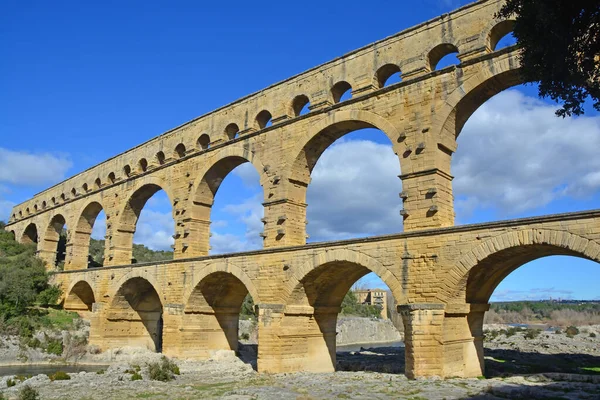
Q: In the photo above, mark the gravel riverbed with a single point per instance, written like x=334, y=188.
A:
x=550, y=366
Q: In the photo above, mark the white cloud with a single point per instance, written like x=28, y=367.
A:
x=22, y=168
x=354, y=192
x=155, y=229
x=249, y=213
x=248, y=174
x=515, y=155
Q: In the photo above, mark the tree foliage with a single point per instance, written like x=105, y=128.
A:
x=560, y=43
x=23, y=278
x=141, y=254
x=351, y=306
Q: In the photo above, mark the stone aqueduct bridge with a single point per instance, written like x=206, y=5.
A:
x=441, y=275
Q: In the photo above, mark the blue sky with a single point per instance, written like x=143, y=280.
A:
x=83, y=81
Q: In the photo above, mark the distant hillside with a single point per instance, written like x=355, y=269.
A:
x=141, y=253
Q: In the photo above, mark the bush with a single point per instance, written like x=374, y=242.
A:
x=245, y=336
x=136, y=376
x=572, y=331
x=164, y=370
x=531, y=333
x=54, y=346
x=28, y=393
x=592, y=335
x=100, y=372
x=10, y=383
x=59, y=376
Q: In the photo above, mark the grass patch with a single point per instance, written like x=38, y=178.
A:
x=145, y=395
x=592, y=369
x=59, y=376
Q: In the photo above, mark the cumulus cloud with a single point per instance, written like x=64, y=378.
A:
x=155, y=229
x=515, y=155
x=26, y=169
x=354, y=192
x=248, y=213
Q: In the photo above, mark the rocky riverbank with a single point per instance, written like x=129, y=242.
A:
x=519, y=364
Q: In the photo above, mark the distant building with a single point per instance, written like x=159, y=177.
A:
x=374, y=297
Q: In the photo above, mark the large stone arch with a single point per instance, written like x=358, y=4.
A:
x=229, y=268
x=77, y=258
x=134, y=316
x=80, y=296
x=325, y=257
x=204, y=189
x=315, y=294
x=135, y=273
x=211, y=304
x=488, y=263
x=49, y=242
x=492, y=78
x=30, y=234
x=331, y=127
x=121, y=244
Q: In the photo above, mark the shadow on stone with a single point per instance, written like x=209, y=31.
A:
x=502, y=362
x=248, y=353
x=382, y=359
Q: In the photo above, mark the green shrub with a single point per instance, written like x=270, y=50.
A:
x=10, y=383
x=2, y=396
x=59, y=376
x=100, y=372
x=572, y=331
x=54, y=346
x=164, y=370
x=558, y=331
x=245, y=336
x=592, y=335
x=32, y=342
x=136, y=376
x=532, y=333
x=512, y=331
x=28, y=393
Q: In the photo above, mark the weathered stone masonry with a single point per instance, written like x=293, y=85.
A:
x=442, y=275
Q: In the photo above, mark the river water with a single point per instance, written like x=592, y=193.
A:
x=358, y=346
x=36, y=369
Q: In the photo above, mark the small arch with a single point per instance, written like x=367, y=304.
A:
x=386, y=72
x=232, y=130
x=53, y=200
x=143, y=165
x=203, y=141
x=30, y=234
x=498, y=32
x=35, y=207
x=438, y=52
x=300, y=105
x=80, y=297
x=341, y=91
x=97, y=183
x=44, y=205
x=20, y=214
x=85, y=187
x=180, y=150
x=111, y=177
x=263, y=119
x=160, y=158
x=28, y=211
x=63, y=197
x=127, y=170
x=74, y=192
